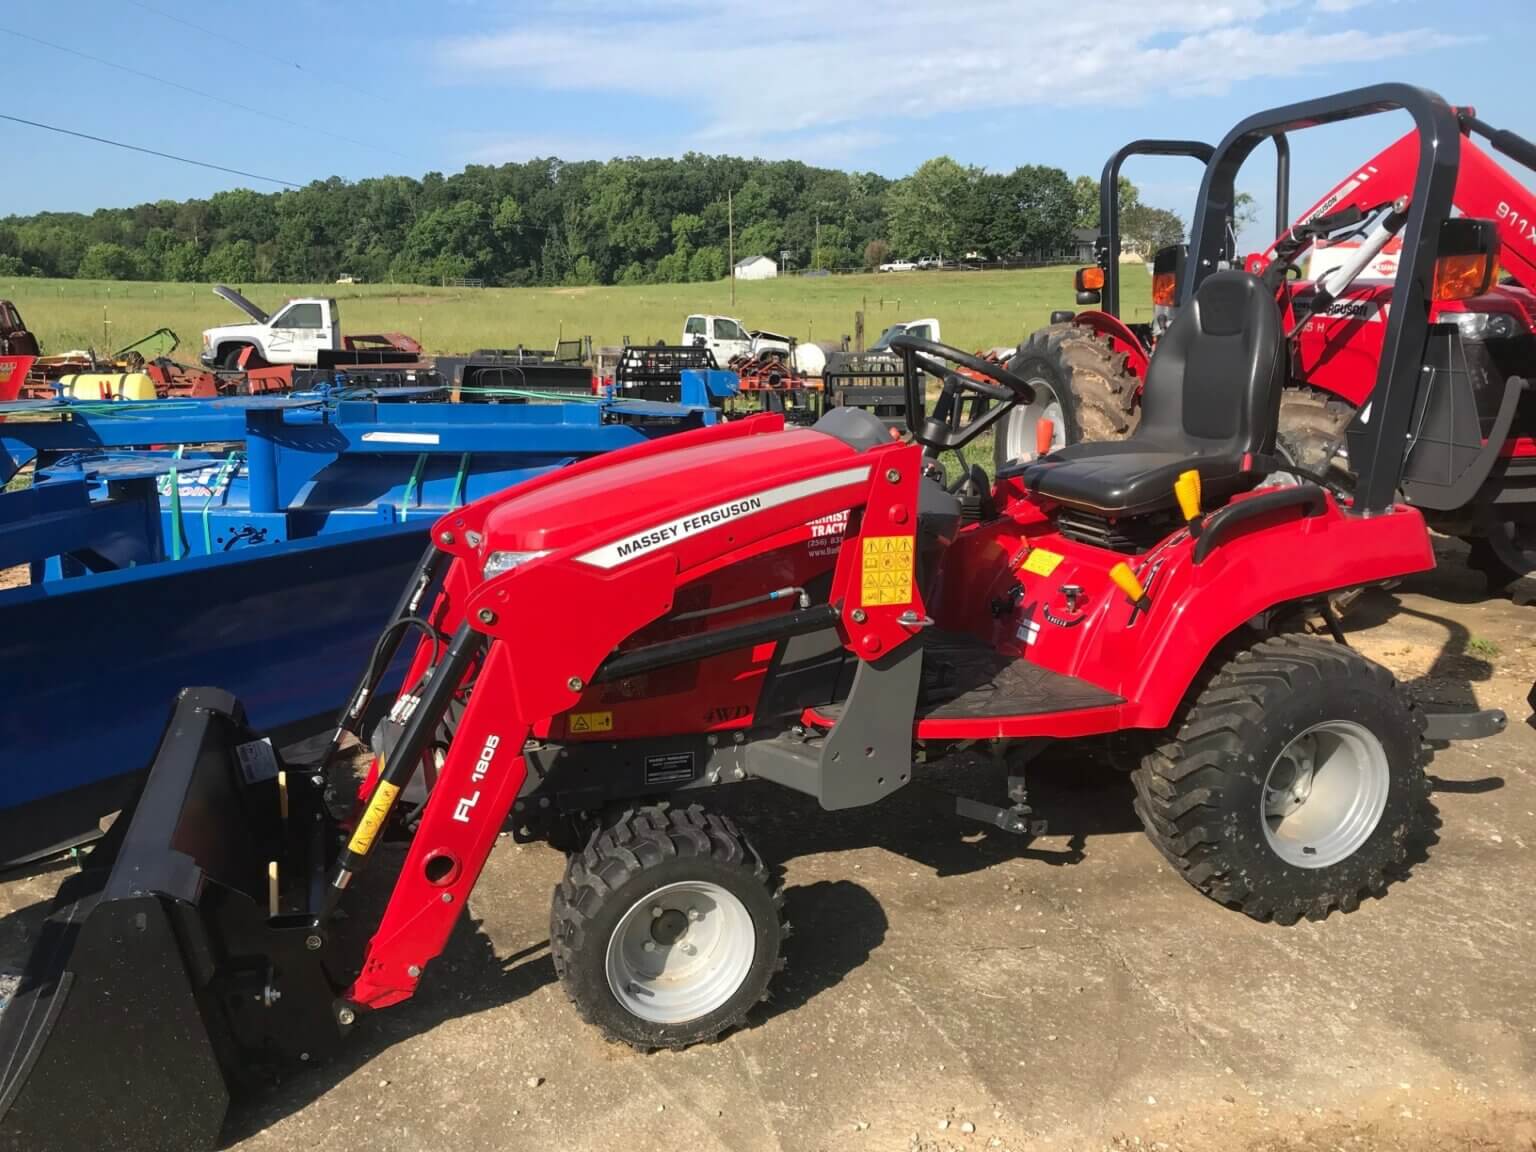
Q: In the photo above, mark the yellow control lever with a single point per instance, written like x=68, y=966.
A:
x=1186, y=489
x=1126, y=581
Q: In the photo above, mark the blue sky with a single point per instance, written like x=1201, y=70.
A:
x=358, y=88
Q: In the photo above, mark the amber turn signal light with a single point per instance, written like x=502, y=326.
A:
x=1462, y=277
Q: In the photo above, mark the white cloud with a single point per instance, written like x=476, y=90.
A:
x=808, y=75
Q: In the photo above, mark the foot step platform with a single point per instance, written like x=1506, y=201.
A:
x=965, y=679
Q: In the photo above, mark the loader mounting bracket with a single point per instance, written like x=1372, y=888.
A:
x=868, y=753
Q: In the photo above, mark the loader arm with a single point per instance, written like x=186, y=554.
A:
x=1484, y=189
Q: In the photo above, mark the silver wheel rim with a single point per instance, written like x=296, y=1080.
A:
x=681, y=952
x=1020, y=434
x=1324, y=794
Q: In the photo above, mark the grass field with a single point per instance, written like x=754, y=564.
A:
x=976, y=309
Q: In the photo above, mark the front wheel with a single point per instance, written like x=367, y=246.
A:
x=1294, y=784
x=666, y=928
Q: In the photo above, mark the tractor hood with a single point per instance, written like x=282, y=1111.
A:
x=647, y=502
x=240, y=302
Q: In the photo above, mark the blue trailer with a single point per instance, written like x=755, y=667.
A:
x=257, y=543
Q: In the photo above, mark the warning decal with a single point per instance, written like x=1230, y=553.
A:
x=257, y=761
x=373, y=818
x=887, y=570
x=1040, y=562
x=590, y=722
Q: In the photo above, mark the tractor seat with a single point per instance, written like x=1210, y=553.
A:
x=1211, y=403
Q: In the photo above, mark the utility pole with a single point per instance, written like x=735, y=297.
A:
x=730, y=229
x=816, y=248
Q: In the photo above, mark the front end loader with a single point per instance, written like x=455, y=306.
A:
x=601, y=647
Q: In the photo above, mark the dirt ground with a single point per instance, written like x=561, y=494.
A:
x=948, y=989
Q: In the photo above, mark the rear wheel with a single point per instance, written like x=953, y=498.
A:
x=1081, y=385
x=1505, y=554
x=1311, y=431
x=666, y=928
x=1293, y=785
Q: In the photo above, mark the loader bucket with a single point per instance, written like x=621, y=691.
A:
x=183, y=958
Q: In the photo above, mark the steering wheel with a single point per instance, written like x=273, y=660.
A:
x=993, y=390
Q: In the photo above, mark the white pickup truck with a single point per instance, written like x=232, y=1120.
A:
x=728, y=338
x=295, y=334
x=925, y=329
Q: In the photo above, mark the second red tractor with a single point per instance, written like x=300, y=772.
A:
x=1471, y=462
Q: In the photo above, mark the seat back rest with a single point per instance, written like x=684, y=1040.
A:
x=1215, y=377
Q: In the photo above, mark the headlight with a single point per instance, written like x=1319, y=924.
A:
x=1477, y=326
x=498, y=562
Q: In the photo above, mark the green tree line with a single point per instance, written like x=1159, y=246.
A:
x=549, y=222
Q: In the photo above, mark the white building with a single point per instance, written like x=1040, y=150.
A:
x=756, y=268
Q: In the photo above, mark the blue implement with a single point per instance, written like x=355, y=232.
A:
x=253, y=543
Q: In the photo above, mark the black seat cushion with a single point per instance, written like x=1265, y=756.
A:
x=1211, y=403
x=1129, y=477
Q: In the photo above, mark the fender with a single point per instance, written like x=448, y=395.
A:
x=1121, y=339
x=1275, y=559
x=1150, y=655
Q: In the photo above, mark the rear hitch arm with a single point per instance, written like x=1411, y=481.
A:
x=1443, y=727
x=1015, y=819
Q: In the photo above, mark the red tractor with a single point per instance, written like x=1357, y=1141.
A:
x=1471, y=464
x=18, y=349
x=602, y=646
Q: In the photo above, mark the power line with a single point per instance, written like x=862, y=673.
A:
x=247, y=49
x=196, y=91
x=149, y=151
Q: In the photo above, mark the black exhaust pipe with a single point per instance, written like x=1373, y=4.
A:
x=184, y=958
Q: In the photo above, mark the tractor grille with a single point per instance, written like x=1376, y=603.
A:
x=1131, y=534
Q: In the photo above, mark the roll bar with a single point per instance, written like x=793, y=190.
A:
x=1107, y=246
x=1378, y=458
